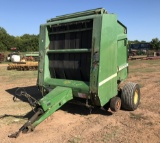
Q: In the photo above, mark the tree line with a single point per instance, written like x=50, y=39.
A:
x=154, y=43
x=22, y=43
x=29, y=43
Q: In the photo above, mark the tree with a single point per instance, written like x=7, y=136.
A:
x=155, y=44
x=23, y=43
x=136, y=41
x=143, y=41
x=3, y=35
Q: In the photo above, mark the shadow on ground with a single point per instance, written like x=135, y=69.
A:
x=81, y=109
x=70, y=107
x=31, y=90
x=28, y=115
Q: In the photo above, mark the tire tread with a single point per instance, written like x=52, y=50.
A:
x=127, y=96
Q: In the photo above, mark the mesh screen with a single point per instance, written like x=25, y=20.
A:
x=73, y=66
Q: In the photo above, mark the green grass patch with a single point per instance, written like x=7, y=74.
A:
x=10, y=120
x=141, y=85
x=75, y=139
x=146, y=62
x=5, y=62
x=139, y=116
x=10, y=75
x=157, y=81
x=115, y=132
x=149, y=123
x=143, y=70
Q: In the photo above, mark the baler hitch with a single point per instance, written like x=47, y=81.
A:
x=27, y=127
x=21, y=92
x=44, y=107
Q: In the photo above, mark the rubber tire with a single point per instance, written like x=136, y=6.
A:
x=114, y=102
x=127, y=96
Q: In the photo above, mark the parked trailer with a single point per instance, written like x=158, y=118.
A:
x=82, y=55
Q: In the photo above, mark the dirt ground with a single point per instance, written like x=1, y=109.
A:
x=74, y=123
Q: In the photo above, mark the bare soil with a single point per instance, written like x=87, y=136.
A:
x=74, y=123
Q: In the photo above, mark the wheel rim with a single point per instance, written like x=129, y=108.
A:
x=135, y=97
x=118, y=105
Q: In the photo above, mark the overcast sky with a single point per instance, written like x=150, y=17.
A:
x=141, y=17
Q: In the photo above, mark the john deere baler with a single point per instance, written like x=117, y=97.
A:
x=83, y=55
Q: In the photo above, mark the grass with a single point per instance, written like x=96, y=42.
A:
x=75, y=139
x=144, y=66
x=149, y=123
x=143, y=70
x=157, y=134
x=134, y=62
x=5, y=62
x=157, y=81
x=139, y=116
x=141, y=85
x=10, y=120
x=110, y=136
x=12, y=75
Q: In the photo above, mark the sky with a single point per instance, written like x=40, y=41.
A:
x=141, y=17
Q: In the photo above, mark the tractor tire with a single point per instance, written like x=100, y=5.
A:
x=130, y=96
x=115, y=104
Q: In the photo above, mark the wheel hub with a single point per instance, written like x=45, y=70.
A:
x=118, y=105
x=136, y=97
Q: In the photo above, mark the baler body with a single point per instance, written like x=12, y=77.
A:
x=82, y=55
x=84, y=51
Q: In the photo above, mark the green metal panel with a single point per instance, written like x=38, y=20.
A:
x=46, y=64
x=53, y=101
x=69, y=51
x=59, y=95
x=79, y=14
x=107, y=81
x=42, y=38
x=78, y=85
x=43, y=71
x=122, y=60
x=32, y=54
x=96, y=37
